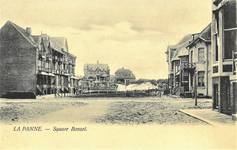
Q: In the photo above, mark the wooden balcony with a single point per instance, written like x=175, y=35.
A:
x=49, y=57
x=42, y=55
x=41, y=68
x=188, y=66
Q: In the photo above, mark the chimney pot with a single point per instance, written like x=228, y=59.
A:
x=28, y=30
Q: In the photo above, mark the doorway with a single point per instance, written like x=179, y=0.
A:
x=234, y=97
x=215, y=96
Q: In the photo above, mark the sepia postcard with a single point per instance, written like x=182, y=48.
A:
x=118, y=74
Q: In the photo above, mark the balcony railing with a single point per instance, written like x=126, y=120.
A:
x=49, y=57
x=42, y=55
x=40, y=68
x=189, y=66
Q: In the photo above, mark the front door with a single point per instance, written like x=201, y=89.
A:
x=215, y=96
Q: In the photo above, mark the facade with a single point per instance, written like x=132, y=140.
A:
x=199, y=51
x=189, y=65
x=224, y=55
x=178, y=58
x=97, y=78
x=33, y=65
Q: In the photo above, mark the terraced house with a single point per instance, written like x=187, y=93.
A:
x=199, y=51
x=224, y=53
x=178, y=58
x=32, y=65
x=189, y=65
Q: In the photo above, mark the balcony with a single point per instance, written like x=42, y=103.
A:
x=188, y=66
x=41, y=68
x=42, y=55
x=48, y=57
x=55, y=58
x=60, y=60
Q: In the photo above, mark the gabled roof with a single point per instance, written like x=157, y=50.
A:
x=204, y=35
x=59, y=43
x=181, y=46
x=95, y=67
x=23, y=32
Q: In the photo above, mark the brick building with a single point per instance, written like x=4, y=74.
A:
x=32, y=65
x=224, y=56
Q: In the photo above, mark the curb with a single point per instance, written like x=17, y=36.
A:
x=197, y=117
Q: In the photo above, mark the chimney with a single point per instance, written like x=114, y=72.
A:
x=28, y=30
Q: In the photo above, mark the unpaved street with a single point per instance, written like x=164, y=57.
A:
x=100, y=110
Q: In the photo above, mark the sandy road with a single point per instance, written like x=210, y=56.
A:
x=98, y=110
x=85, y=114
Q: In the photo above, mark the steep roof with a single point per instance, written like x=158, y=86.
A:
x=59, y=43
x=181, y=46
x=23, y=32
x=97, y=66
x=96, y=69
x=204, y=35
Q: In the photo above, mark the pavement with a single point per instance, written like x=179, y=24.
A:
x=210, y=116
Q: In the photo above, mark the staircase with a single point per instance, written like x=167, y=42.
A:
x=176, y=90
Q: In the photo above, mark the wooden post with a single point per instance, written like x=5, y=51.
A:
x=195, y=87
x=125, y=87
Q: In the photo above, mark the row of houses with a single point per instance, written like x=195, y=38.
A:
x=206, y=62
x=32, y=65
x=190, y=59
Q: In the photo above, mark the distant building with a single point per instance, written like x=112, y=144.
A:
x=97, y=72
x=97, y=78
x=124, y=76
x=224, y=56
x=33, y=65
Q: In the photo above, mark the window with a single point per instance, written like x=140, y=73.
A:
x=216, y=35
x=230, y=43
x=191, y=57
x=201, y=78
x=230, y=29
x=216, y=47
x=201, y=56
x=230, y=20
x=185, y=76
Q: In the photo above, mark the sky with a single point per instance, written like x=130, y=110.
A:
x=133, y=34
